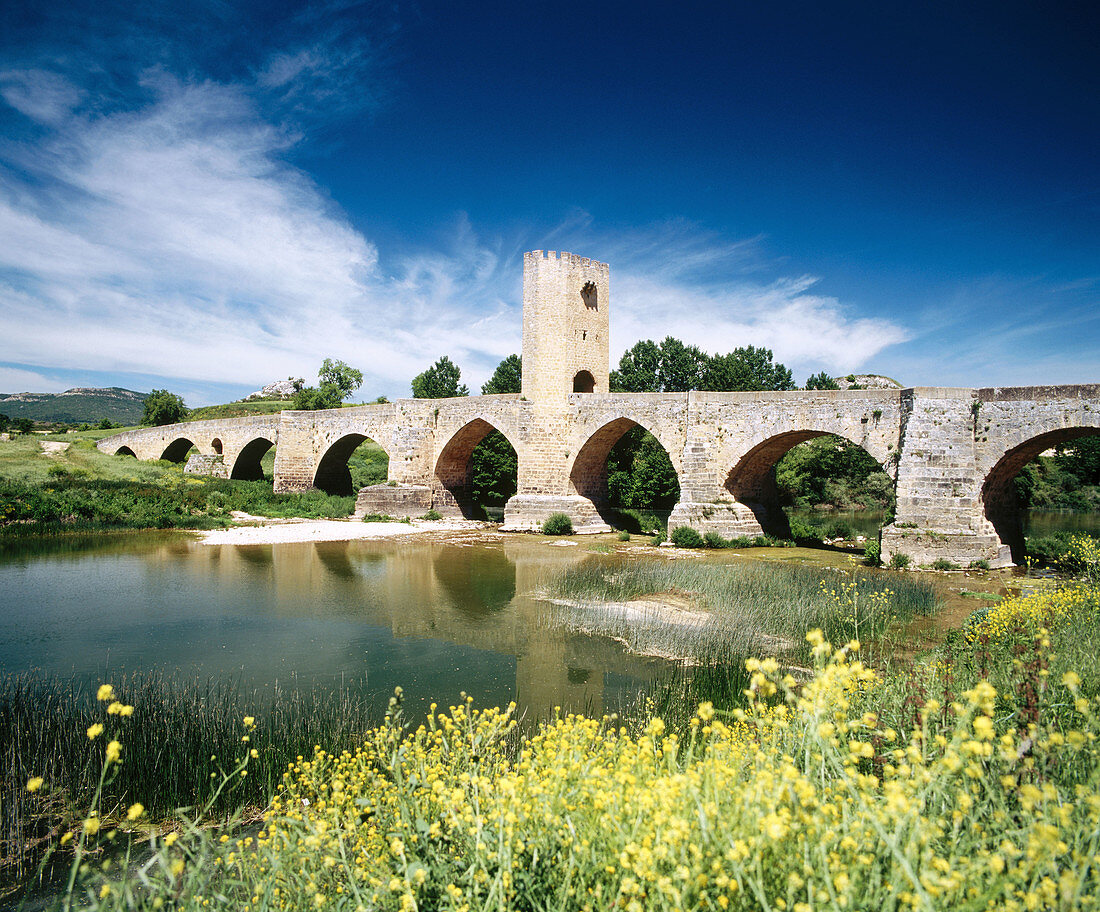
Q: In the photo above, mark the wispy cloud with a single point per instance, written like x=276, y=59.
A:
x=42, y=95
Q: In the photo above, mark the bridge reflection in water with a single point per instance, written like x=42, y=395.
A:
x=436, y=618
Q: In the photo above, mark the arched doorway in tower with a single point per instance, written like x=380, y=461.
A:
x=1044, y=488
x=811, y=485
x=476, y=473
x=354, y=461
x=628, y=475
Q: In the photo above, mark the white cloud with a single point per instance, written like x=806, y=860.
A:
x=41, y=95
x=17, y=380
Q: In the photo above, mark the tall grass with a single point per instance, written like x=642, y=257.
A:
x=183, y=735
x=742, y=609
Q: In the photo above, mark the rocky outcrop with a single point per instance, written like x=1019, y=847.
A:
x=280, y=389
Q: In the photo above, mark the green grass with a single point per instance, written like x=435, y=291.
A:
x=181, y=737
x=750, y=607
x=240, y=409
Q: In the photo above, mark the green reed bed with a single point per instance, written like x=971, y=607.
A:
x=181, y=737
x=747, y=607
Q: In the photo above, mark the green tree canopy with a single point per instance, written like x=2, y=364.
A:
x=4, y=422
x=163, y=407
x=440, y=381
x=744, y=369
x=507, y=378
x=821, y=381
x=338, y=381
x=23, y=425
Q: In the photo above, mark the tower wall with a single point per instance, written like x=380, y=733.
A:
x=566, y=304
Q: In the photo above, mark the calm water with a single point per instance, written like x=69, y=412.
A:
x=436, y=618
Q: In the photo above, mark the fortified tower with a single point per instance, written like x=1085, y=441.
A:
x=565, y=325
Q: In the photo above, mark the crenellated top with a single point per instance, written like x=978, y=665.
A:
x=565, y=257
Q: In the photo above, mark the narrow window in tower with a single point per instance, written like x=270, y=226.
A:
x=588, y=295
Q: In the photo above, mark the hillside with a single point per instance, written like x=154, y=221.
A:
x=75, y=406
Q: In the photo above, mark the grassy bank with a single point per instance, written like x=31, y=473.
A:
x=82, y=489
x=180, y=739
x=967, y=781
x=750, y=608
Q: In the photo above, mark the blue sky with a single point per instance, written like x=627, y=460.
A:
x=210, y=196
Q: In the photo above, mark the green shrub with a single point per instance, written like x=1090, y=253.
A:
x=803, y=533
x=378, y=517
x=839, y=528
x=942, y=563
x=432, y=516
x=624, y=535
x=872, y=554
x=557, y=524
x=658, y=539
x=979, y=565
x=686, y=537
x=899, y=561
x=714, y=540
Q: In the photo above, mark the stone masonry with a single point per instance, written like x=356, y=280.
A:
x=952, y=452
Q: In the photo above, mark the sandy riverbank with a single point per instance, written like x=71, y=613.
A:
x=261, y=530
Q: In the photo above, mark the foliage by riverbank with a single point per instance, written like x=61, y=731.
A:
x=966, y=782
x=82, y=489
x=750, y=607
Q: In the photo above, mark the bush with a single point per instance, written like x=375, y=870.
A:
x=803, y=533
x=624, y=535
x=714, y=540
x=942, y=563
x=378, y=517
x=872, y=554
x=839, y=528
x=686, y=537
x=658, y=539
x=557, y=524
x=432, y=516
x=979, y=565
x=899, y=561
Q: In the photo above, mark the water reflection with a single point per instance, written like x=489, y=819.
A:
x=437, y=618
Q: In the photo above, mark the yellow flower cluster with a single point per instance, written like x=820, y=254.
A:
x=803, y=801
x=1034, y=612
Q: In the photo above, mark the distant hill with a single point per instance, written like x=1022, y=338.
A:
x=76, y=405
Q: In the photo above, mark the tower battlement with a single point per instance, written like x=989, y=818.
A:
x=566, y=325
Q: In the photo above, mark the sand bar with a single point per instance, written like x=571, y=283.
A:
x=261, y=530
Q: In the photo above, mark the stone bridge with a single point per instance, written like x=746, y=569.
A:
x=952, y=453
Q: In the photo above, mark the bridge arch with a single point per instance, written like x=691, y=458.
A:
x=588, y=475
x=998, y=497
x=333, y=474
x=751, y=482
x=177, y=450
x=125, y=451
x=216, y=445
x=246, y=467
x=451, y=482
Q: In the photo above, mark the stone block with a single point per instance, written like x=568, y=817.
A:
x=397, y=501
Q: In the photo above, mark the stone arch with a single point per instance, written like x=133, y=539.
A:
x=451, y=479
x=751, y=482
x=584, y=382
x=246, y=467
x=588, y=474
x=177, y=450
x=998, y=495
x=125, y=451
x=333, y=475
x=216, y=445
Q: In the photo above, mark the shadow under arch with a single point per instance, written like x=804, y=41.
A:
x=333, y=475
x=177, y=450
x=588, y=475
x=125, y=451
x=752, y=481
x=999, y=500
x=451, y=484
x=246, y=467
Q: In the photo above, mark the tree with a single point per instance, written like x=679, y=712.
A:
x=163, y=407
x=338, y=381
x=23, y=425
x=821, y=381
x=671, y=367
x=4, y=422
x=507, y=378
x=744, y=369
x=440, y=381
x=637, y=371
x=336, y=373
